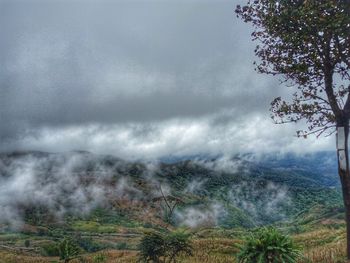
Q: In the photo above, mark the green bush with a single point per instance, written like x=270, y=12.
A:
x=68, y=250
x=164, y=247
x=268, y=245
x=89, y=245
x=121, y=246
x=49, y=250
x=27, y=243
x=152, y=247
x=177, y=242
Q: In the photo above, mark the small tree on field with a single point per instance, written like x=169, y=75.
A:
x=178, y=242
x=68, y=250
x=152, y=247
x=307, y=43
x=164, y=247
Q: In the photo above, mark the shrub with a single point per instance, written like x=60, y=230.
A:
x=27, y=243
x=68, y=250
x=50, y=250
x=158, y=247
x=152, y=247
x=176, y=243
x=89, y=245
x=121, y=246
x=268, y=245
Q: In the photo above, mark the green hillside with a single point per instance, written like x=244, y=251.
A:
x=106, y=203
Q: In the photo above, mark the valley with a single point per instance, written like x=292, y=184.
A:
x=106, y=204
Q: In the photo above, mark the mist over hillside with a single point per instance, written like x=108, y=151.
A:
x=242, y=190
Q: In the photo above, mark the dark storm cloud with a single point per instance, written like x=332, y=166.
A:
x=133, y=67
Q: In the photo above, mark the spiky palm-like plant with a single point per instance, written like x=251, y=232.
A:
x=268, y=245
x=68, y=250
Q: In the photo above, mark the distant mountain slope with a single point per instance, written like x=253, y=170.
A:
x=243, y=190
x=320, y=166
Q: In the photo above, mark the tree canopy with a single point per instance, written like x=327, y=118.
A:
x=307, y=43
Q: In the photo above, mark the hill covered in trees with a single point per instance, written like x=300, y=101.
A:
x=238, y=191
x=105, y=205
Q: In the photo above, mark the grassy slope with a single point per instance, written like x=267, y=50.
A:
x=320, y=232
x=324, y=245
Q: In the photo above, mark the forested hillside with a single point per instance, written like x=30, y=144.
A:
x=106, y=204
x=240, y=191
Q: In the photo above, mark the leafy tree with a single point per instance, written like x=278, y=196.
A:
x=177, y=242
x=164, y=247
x=50, y=249
x=307, y=43
x=68, y=250
x=268, y=245
x=152, y=247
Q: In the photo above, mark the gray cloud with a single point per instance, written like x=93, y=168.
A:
x=133, y=78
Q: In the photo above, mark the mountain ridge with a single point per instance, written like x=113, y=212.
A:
x=230, y=191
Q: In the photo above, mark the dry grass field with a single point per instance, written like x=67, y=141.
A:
x=324, y=245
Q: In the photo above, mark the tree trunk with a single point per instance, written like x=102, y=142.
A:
x=346, y=196
x=343, y=170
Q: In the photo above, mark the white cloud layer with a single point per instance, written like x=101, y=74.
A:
x=177, y=137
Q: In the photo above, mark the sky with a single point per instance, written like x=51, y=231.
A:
x=136, y=79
